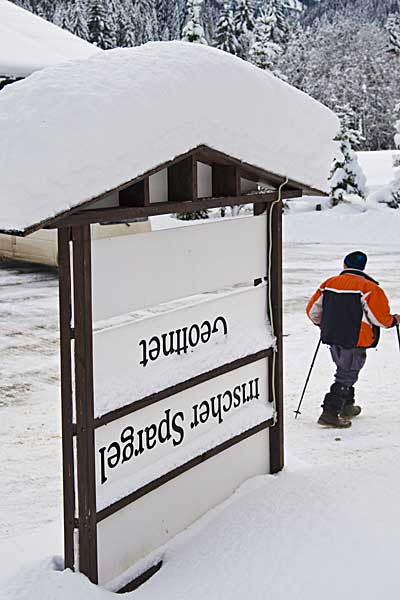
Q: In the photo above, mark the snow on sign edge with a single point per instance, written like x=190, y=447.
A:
x=69, y=128
x=29, y=43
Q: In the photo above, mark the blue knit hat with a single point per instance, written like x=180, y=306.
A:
x=356, y=260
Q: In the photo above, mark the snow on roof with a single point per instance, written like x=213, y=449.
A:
x=29, y=43
x=75, y=131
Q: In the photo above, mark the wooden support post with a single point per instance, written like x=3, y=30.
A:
x=182, y=180
x=85, y=402
x=64, y=264
x=276, y=378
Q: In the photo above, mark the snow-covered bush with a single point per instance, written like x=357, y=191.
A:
x=347, y=180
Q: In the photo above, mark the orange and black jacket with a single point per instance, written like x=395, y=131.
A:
x=350, y=308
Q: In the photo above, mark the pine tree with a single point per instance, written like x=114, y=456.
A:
x=46, y=9
x=275, y=10
x=100, y=25
x=145, y=21
x=244, y=26
x=193, y=30
x=346, y=180
x=61, y=17
x=264, y=52
x=77, y=19
x=393, y=30
x=225, y=36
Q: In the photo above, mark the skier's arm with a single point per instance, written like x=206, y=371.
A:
x=314, y=307
x=377, y=309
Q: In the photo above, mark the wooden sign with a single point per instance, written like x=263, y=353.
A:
x=177, y=386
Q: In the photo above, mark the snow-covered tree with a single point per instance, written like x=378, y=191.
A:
x=393, y=30
x=145, y=21
x=264, y=52
x=193, y=30
x=346, y=181
x=100, y=24
x=225, y=35
x=244, y=25
x=61, y=17
x=77, y=19
x=276, y=11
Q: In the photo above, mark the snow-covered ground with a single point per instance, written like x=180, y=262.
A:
x=326, y=527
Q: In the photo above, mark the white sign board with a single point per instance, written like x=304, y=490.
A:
x=143, y=270
x=140, y=447
x=145, y=355
x=135, y=531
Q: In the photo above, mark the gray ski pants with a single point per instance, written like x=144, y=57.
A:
x=349, y=362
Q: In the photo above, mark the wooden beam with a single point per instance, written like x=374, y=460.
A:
x=115, y=215
x=64, y=270
x=85, y=402
x=182, y=180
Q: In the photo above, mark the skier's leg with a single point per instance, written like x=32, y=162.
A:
x=334, y=399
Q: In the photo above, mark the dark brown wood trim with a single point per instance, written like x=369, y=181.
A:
x=85, y=402
x=276, y=441
x=114, y=215
x=201, y=153
x=194, y=462
x=64, y=236
x=141, y=579
x=135, y=195
x=182, y=180
x=180, y=387
x=225, y=181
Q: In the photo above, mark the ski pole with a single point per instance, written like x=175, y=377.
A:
x=398, y=333
x=297, y=412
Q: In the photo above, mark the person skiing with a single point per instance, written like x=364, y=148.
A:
x=350, y=308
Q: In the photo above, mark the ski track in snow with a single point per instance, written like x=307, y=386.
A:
x=30, y=441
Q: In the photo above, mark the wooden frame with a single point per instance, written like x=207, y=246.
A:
x=74, y=230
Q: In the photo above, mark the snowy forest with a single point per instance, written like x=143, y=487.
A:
x=344, y=53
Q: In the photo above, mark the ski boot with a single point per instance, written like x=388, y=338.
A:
x=349, y=409
x=332, y=418
x=332, y=407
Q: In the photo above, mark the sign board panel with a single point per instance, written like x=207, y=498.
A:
x=143, y=270
x=138, y=529
x=142, y=356
x=140, y=447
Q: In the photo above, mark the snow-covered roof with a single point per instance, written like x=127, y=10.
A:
x=29, y=43
x=75, y=131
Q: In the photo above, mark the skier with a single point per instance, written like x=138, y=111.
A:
x=349, y=308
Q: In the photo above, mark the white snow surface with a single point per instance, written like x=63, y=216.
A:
x=377, y=167
x=75, y=131
x=326, y=527
x=29, y=43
